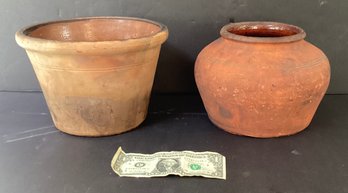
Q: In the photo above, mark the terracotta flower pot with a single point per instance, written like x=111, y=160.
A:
x=262, y=79
x=96, y=73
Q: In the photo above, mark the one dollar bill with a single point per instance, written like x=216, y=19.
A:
x=183, y=163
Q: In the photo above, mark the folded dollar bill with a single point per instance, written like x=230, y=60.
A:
x=183, y=163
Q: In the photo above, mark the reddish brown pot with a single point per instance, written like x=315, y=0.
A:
x=262, y=79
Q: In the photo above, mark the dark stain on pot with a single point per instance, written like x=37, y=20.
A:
x=136, y=106
x=102, y=113
x=131, y=113
x=306, y=102
x=314, y=96
x=224, y=112
x=96, y=111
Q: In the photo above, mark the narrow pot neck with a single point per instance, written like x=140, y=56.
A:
x=262, y=32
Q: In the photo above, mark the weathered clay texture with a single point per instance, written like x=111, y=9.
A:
x=96, y=73
x=262, y=79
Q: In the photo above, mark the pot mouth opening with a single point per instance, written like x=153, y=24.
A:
x=262, y=32
x=94, y=29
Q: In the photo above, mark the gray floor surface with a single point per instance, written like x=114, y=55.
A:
x=37, y=158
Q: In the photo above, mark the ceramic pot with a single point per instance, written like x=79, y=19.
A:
x=261, y=79
x=96, y=73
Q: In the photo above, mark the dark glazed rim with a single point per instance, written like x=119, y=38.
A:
x=227, y=34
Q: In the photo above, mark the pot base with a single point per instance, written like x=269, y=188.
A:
x=254, y=135
x=88, y=132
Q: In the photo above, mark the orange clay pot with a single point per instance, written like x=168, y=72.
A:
x=96, y=73
x=262, y=79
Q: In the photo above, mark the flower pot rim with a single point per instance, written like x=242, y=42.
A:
x=296, y=33
x=91, y=47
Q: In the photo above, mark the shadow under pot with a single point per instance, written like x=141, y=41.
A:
x=262, y=79
x=96, y=73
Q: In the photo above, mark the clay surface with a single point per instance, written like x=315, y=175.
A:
x=262, y=79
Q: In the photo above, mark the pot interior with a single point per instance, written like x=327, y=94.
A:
x=264, y=30
x=94, y=29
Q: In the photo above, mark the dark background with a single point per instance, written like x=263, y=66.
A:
x=192, y=25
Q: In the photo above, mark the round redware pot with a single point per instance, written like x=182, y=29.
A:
x=262, y=79
x=96, y=73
